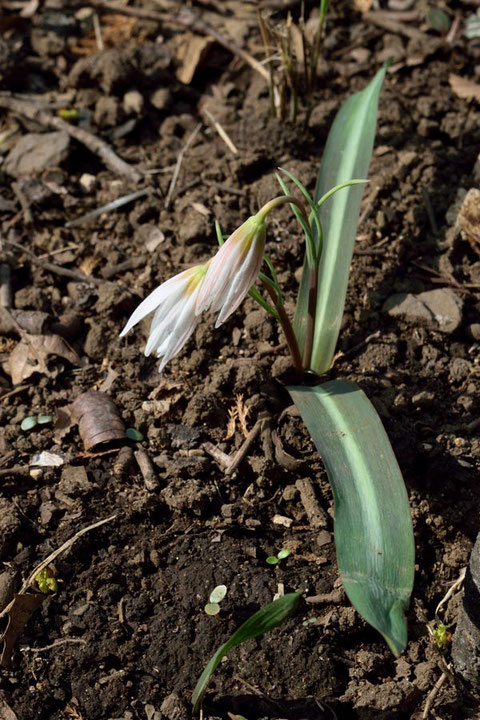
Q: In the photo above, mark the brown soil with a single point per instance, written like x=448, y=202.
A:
x=126, y=636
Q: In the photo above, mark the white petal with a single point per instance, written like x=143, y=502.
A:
x=219, y=272
x=173, y=286
x=184, y=327
x=241, y=284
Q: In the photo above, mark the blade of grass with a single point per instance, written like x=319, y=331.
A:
x=264, y=620
x=373, y=526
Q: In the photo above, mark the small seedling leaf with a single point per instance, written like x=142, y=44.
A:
x=44, y=419
x=285, y=552
x=133, y=434
x=272, y=560
x=218, y=593
x=28, y=423
x=266, y=619
x=212, y=608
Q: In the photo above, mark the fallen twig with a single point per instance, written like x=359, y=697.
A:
x=245, y=447
x=222, y=132
x=178, y=165
x=92, y=142
x=147, y=469
x=114, y=205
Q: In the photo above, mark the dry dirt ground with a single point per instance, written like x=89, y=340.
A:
x=126, y=635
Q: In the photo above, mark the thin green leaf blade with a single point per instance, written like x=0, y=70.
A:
x=264, y=620
x=373, y=527
x=347, y=156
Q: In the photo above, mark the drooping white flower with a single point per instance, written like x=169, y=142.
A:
x=233, y=270
x=175, y=319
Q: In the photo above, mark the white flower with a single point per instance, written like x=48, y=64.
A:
x=175, y=318
x=233, y=270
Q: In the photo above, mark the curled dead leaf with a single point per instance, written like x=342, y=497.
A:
x=98, y=419
x=30, y=355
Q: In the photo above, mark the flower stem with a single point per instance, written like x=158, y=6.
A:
x=283, y=200
x=312, y=304
x=286, y=326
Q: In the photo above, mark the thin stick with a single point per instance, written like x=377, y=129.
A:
x=5, y=286
x=147, y=469
x=452, y=589
x=245, y=447
x=433, y=694
x=186, y=18
x=222, y=132
x=56, y=269
x=53, y=645
x=176, y=172
x=222, y=458
x=114, y=205
x=27, y=213
x=92, y=142
x=98, y=32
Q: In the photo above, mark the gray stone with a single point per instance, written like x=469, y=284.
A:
x=474, y=331
x=36, y=152
x=466, y=639
x=437, y=309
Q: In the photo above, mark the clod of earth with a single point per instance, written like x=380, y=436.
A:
x=439, y=310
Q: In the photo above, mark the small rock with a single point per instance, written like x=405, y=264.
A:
x=423, y=399
x=187, y=495
x=133, y=102
x=107, y=111
x=87, y=182
x=466, y=639
x=437, y=309
x=459, y=369
x=474, y=331
x=36, y=152
x=96, y=344
x=173, y=708
x=161, y=99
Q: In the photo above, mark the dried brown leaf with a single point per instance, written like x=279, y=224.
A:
x=30, y=355
x=232, y=423
x=22, y=608
x=98, y=419
x=464, y=88
x=242, y=412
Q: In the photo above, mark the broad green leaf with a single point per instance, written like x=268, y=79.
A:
x=373, y=527
x=264, y=620
x=346, y=156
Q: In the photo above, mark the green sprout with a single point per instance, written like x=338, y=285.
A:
x=30, y=422
x=216, y=596
x=133, y=434
x=46, y=581
x=442, y=637
x=281, y=555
